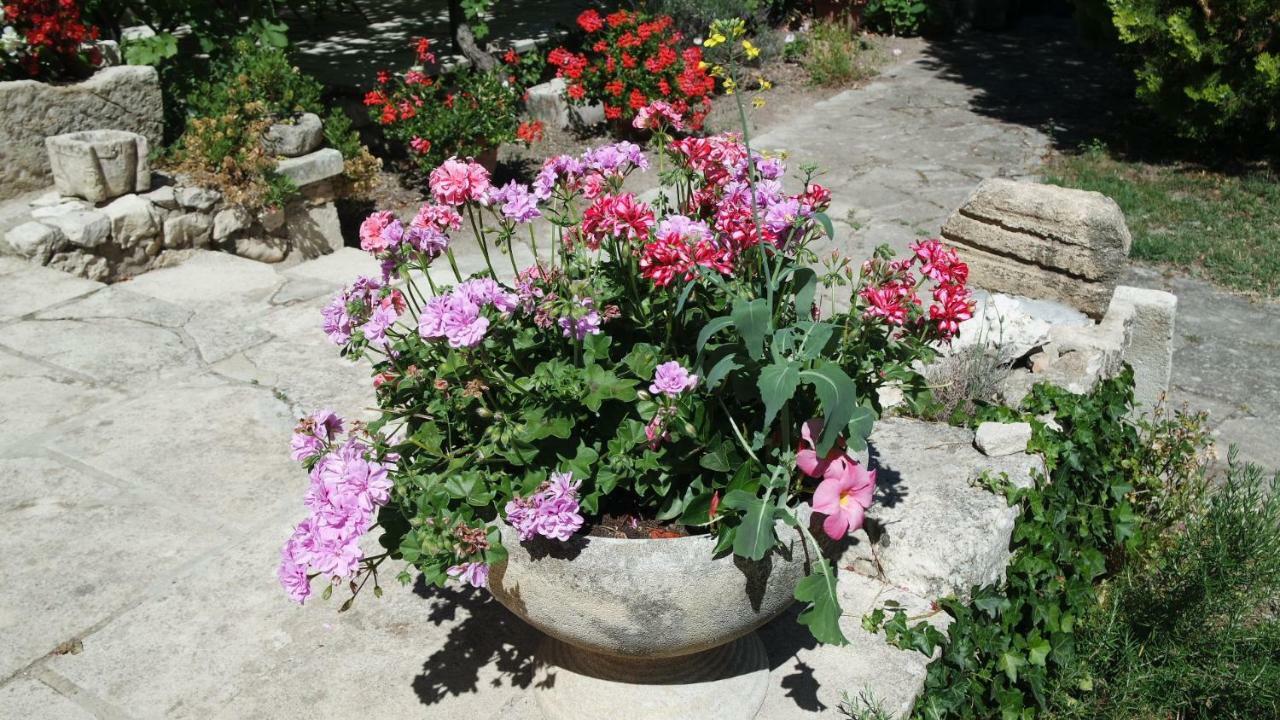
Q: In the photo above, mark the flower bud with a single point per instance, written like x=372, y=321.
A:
x=484, y=412
x=643, y=395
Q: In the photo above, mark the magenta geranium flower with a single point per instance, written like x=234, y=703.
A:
x=458, y=181
x=671, y=379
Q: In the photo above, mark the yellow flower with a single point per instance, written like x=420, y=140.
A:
x=757, y=102
x=729, y=86
x=702, y=65
x=738, y=27
x=715, y=39
x=765, y=84
x=753, y=52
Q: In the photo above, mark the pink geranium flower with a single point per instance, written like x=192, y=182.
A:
x=457, y=181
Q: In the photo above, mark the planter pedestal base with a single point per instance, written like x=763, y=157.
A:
x=724, y=683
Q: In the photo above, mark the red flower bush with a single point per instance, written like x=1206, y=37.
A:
x=45, y=40
x=632, y=60
x=892, y=290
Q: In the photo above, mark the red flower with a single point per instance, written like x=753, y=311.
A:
x=422, y=146
x=664, y=258
x=384, y=77
x=511, y=58
x=423, y=51
x=620, y=216
x=951, y=307
x=618, y=18
x=612, y=112
x=590, y=21
x=614, y=88
x=530, y=132
x=576, y=91
x=637, y=100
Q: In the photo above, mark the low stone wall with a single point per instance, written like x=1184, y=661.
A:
x=133, y=233
x=116, y=98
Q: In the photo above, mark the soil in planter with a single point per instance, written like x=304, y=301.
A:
x=632, y=527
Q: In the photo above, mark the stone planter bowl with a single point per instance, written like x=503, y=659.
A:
x=648, y=628
x=98, y=165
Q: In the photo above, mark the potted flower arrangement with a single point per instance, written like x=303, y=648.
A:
x=467, y=113
x=633, y=441
x=631, y=60
x=45, y=40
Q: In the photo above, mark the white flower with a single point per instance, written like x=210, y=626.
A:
x=11, y=41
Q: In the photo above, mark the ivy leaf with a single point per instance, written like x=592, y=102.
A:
x=823, y=614
x=1009, y=662
x=1037, y=649
x=755, y=533
x=713, y=326
x=838, y=396
x=753, y=321
x=777, y=383
x=603, y=385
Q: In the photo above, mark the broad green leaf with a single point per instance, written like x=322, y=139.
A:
x=698, y=510
x=838, y=396
x=1037, y=649
x=753, y=321
x=723, y=367
x=713, y=326
x=825, y=222
x=1009, y=662
x=806, y=284
x=777, y=383
x=814, y=338
x=755, y=533
x=642, y=360
x=823, y=614
x=859, y=428
x=718, y=460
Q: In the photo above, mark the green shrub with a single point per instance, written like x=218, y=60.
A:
x=1112, y=486
x=1193, y=631
x=1212, y=70
x=835, y=54
x=693, y=17
x=896, y=17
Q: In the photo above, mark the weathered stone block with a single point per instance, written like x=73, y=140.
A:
x=229, y=221
x=1013, y=325
x=313, y=231
x=1042, y=241
x=83, y=228
x=120, y=98
x=547, y=102
x=189, y=230
x=313, y=167
x=132, y=221
x=35, y=241
x=164, y=197
x=262, y=249
x=1150, y=346
x=198, y=198
x=98, y=165
x=294, y=139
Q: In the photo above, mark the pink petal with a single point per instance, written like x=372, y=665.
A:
x=853, y=515
x=836, y=525
x=807, y=461
x=810, y=429
x=866, y=489
x=826, y=499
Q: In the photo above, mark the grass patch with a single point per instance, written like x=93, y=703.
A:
x=1225, y=227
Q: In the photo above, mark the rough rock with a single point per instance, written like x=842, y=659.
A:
x=132, y=221
x=292, y=140
x=93, y=267
x=118, y=98
x=272, y=219
x=1042, y=241
x=313, y=167
x=98, y=165
x=1150, y=346
x=198, y=198
x=1014, y=325
x=189, y=230
x=49, y=199
x=935, y=531
x=164, y=197
x=83, y=228
x=262, y=249
x=229, y=221
x=64, y=208
x=995, y=439
x=35, y=241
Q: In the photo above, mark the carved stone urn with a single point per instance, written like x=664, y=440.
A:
x=651, y=628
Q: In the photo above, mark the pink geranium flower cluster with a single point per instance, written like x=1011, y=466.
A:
x=459, y=316
x=551, y=512
x=348, y=485
x=367, y=307
x=846, y=489
x=892, y=290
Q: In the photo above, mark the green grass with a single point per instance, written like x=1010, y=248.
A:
x=1225, y=227
x=834, y=54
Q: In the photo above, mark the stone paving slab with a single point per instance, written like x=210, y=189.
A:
x=209, y=277
x=30, y=698
x=34, y=288
x=37, y=396
x=86, y=546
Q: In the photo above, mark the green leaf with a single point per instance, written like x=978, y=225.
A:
x=859, y=428
x=825, y=222
x=755, y=533
x=1037, y=649
x=713, y=326
x=723, y=367
x=1009, y=662
x=838, y=395
x=642, y=360
x=806, y=283
x=815, y=337
x=754, y=324
x=698, y=510
x=822, y=617
x=777, y=383
x=718, y=460
x=603, y=385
